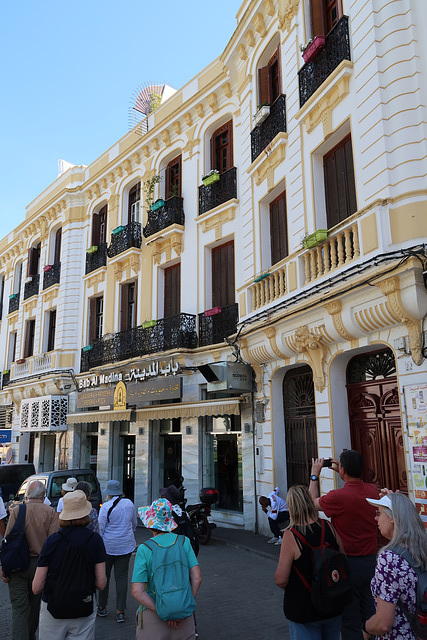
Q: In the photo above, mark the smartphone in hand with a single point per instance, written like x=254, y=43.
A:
x=327, y=462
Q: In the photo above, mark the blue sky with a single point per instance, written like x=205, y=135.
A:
x=69, y=70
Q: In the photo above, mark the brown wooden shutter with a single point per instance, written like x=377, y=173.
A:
x=124, y=307
x=351, y=187
x=92, y=320
x=340, y=190
x=278, y=229
x=58, y=242
x=95, y=230
x=317, y=18
x=33, y=261
x=172, y=291
x=103, y=235
x=29, y=338
x=135, y=306
x=223, y=288
x=217, y=143
x=263, y=85
x=173, y=177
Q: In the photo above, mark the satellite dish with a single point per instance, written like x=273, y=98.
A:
x=146, y=99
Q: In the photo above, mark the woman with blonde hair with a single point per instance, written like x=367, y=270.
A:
x=295, y=569
x=395, y=581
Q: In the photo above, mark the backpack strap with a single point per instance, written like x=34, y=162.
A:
x=115, y=503
x=20, y=518
x=160, y=546
x=304, y=541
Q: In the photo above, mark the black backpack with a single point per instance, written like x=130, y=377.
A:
x=417, y=620
x=15, y=554
x=73, y=591
x=331, y=585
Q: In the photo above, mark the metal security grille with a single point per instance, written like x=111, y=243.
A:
x=300, y=424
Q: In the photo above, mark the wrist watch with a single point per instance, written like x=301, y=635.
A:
x=314, y=478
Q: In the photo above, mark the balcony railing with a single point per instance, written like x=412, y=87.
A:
x=171, y=213
x=212, y=195
x=270, y=287
x=178, y=332
x=32, y=288
x=14, y=303
x=52, y=276
x=97, y=259
x=336, y=49
x=214, y=328
x=264, y=133
x=332, y=254
x=42, y=363
x=5, y=379
x=129, y=236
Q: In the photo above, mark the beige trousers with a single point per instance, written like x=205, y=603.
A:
x=150, y=627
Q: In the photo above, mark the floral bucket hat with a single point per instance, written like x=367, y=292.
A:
x=158, y=516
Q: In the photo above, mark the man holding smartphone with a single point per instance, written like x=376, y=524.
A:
x=357, y=528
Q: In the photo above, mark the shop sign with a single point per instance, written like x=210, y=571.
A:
x=5, y=436
x=93, y=459
x=152, y=370
x=131, y=394
x=416, y=415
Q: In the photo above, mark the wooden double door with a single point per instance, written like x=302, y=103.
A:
x=376, y=431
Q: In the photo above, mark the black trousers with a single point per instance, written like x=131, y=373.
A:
x=282, y=516
x=362, y=605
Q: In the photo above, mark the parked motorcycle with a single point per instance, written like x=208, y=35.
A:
x=200, y=514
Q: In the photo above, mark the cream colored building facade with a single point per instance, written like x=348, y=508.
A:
x=140, y=382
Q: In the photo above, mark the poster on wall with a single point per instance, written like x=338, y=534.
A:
x=416, y=412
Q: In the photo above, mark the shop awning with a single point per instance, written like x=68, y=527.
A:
x=98, y=416
x=228, y=406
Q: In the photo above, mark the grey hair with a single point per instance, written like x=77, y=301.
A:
x=85, y=487
x=409, y=530
x=35, y=490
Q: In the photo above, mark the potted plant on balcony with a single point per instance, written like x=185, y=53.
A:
x=47, y=268
x=13, y=296
x=149, y=323
x=213, y=312
x=88, y=347
x=211, y=177
x=118, y=230
x=313, y=239
x=20, y=361
x=158, y=204
x=5, y=372
x=312, y=48
x=149, y=189
x=263, y=111
x=92, y=249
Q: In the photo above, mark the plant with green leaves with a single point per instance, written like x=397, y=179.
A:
x=149, y=189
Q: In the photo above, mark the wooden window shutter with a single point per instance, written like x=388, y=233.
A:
x=222, y=148
x=223, y=293
x=278, y=229
x=33, y=261
x=92, y=320
x=317, y=18
x=29, y=338
x=351, y=187
x=340, y=190
x=102, y=233
x=135, y=305
x=58, y=241
x=173, y=178
x=95, y=230
x=263, y=85
x=172, y=291
x=124, y=307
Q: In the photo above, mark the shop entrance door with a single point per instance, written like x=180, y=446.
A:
x=47, y=453
x=129, y=466
x=172, y=458
x=375, y=424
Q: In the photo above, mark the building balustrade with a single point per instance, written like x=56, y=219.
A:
x=177, y=332
x=334, y=252
x=32, y=288
x=315, y=72
x=130, y=236
x=96, y=260
x=218, y=326
x=264, y=133
x=42, y=363
x=212, y=195
x=172, y=212
x=51, y=276
x=270, y=287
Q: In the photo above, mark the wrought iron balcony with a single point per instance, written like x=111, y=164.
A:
x=212, y=195
x=14, y=303
x=264, y=133
x=129, y=236
x=172, y=212
x=215, y=328
x=32, y=288
x=336, y=49
x=5, y=379
x=52, y=276
x=178, y=332
x=97, y=259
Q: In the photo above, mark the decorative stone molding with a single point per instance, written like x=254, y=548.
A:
x=226, y=87
x=270, y=333
x=127, y=268
x=166, y=137
x=216, y=221
x=96, y=189
x=104, y=184
x=145, y=150
x=334, y=309
x=288, y=9
x=29, y=305
x=49, y=295
x=242, y=52
x=213, y=102
x=310, y=344
x=200, y=110
x=249, y=35
x=188, y=119
x=111, y=177
x=269, y=7
x=390, y=287
x=127, y=166
x=191, y=141
x=260, y=24
x=155, y=144
x=322, y=109
x=174, y=242
x=177, y=127
x=96, y=279
x=136, y=158
x=271, y=161
x=119, y=171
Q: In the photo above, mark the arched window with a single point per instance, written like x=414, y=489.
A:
x=134, y=207
x=99, y=226
x=222, y=148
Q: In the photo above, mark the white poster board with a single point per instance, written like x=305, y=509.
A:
x=416, y=412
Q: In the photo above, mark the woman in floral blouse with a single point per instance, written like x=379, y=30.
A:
x=394, y=578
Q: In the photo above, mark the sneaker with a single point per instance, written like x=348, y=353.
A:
x=101, y=612
x=273, y=540
x=120, y=617
x=278, y=543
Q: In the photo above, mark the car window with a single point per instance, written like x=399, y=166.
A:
x=21, y=491
x=88, y=477
x=56, y=486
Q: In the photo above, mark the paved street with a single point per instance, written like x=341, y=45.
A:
x=238, y=597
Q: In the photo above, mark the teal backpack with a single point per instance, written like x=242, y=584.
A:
x=171, y=578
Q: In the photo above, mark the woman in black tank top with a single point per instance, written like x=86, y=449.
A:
x=295, y=563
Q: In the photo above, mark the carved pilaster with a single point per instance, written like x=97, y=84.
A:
x=311, y=346
x=270, y=332
x=334, y=309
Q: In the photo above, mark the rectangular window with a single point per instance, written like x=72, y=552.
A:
x=58, y=241
x=33, y=261
x=128, y=306
x=173, y=178
x=278, y=229
x=51, y=330
x=222, y=148
x=12, y=349
x=99, y=227
x=96, y=313
x=324, y=16
x=223, y=292
x=134, y=203
x=269, y=85
x=30, y=328
x=340, y=190
x=172, y=291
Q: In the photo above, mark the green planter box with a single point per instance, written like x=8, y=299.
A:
x=87, y=348
x=157, y=205
x=118, y=230
x=214, y=177
x=92, y=249
x=262, y=276
x=315, y=238
x=149, y=323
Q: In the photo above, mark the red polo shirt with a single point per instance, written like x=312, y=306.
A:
x=353, y=517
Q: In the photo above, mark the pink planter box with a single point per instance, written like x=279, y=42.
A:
x=213, y=311
x=313, y=48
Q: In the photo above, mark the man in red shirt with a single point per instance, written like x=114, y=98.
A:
x=357, y=528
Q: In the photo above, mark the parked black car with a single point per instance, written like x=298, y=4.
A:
x=12, y=476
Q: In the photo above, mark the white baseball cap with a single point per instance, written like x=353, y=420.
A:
x=382, y=502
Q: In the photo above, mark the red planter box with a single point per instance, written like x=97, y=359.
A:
x=213, y=311
x=313, y=48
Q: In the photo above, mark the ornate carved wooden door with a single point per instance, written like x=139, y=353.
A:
x=375, y=424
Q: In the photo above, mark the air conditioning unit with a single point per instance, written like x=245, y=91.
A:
x=134, y=212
